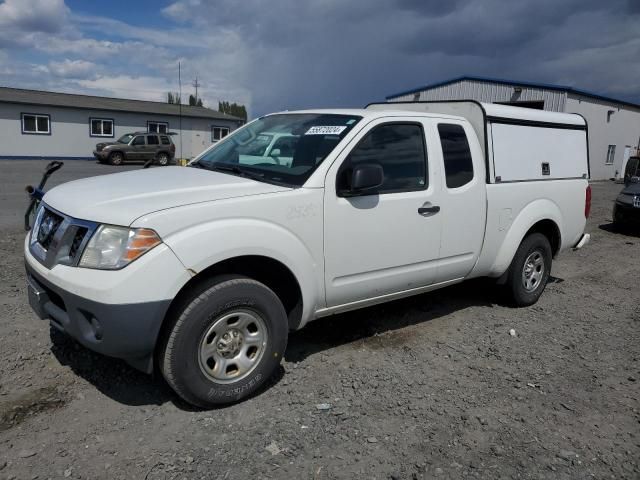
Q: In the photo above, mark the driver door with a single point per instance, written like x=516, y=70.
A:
x=386, y=240
x=138, y=147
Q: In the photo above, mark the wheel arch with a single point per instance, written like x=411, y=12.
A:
x=541, y=216
x=273, y=273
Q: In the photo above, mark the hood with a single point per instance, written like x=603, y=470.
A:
x=120, y=198
x=632, y=189
x=101, y=145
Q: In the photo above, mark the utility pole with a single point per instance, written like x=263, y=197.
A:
x=196, y=84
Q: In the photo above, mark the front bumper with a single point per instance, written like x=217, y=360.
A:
x=625, y=213
x=126, y=331
x=101, y=155
x=115, y=313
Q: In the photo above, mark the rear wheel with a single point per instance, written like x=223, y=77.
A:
x=163, y=159
x=116, y=158
x=530, y=270
x=226, y=341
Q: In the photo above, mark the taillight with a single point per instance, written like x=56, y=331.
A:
x=587, y=202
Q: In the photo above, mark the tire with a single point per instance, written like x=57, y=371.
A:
x=529, y=270
x=163, y=159
x=116, y=158
x=225, y=343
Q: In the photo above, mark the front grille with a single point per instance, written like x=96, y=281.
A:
x=78, y=238
x=58, y=238
x=48, y=228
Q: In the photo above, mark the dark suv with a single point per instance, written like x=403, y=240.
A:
x=137, y=146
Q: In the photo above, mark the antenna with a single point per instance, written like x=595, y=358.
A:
x=196, y=84
x=180, y=106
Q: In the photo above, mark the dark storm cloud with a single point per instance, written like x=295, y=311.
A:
x=331, y=53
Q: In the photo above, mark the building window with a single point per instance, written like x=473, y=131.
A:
x=611, y=154
x=218, y=133
x=157, y=127
x=101, y=127
x=36, y=124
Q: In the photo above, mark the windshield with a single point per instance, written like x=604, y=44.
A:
x=284, y=148
x=125, y=138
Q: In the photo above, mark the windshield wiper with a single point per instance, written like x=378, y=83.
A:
x=238, y=171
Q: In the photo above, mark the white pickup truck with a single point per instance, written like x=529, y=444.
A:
x=201, y=272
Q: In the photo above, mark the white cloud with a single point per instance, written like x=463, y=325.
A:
x=33, y=15
x=72, y=68
x=126, y=86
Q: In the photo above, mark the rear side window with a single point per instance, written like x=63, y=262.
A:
x=165, y=140
x=400, y=149
x=152, y=140
x=458, y=165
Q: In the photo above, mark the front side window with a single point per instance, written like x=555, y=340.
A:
x=611, y=155
x=38, y=124
x=312, y=136
x=139, y=140
x=157, y=127
x=218, y=133
x=458, y=164
x=101, y=127
x=399, y=148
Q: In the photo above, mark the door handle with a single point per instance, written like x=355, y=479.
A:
x=428, y=210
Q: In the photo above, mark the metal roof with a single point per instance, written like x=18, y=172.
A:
x=72, y=100
x=516, y=83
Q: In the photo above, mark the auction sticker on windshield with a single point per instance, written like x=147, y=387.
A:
x=325, y=130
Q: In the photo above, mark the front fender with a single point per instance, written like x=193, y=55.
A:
x=207, y=244
x=532, y=213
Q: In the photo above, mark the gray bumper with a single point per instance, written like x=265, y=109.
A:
x=126, y=331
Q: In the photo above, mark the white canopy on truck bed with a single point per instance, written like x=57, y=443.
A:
x=519, y=144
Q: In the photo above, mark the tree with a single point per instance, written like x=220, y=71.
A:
x=173, y=98
x=195, y=102
x=234, y=109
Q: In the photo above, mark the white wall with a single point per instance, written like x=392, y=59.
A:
x=622, y=129
x=70, y=136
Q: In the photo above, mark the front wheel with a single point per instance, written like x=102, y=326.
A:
x=530, y=270
x=225, y=343
x=163, y=159
x=116, y=158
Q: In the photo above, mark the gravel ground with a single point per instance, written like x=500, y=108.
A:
x=431, y=386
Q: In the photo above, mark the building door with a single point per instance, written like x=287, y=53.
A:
x=625, y=159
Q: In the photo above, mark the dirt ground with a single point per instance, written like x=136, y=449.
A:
x=431, y=386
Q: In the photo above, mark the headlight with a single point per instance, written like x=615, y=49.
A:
x=112, y=248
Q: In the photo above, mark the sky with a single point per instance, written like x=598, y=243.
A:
x=288, y=54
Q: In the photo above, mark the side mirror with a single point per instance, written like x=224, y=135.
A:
x=275, y=152
x=366, y=176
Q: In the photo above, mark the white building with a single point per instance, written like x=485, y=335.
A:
x=614, y=125
x=37, y=124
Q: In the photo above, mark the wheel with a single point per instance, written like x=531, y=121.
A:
x=163, y=159
x=225, y=343
x=530, y=270
x=116, y=158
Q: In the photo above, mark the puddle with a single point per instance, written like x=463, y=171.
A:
x=29, y=405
